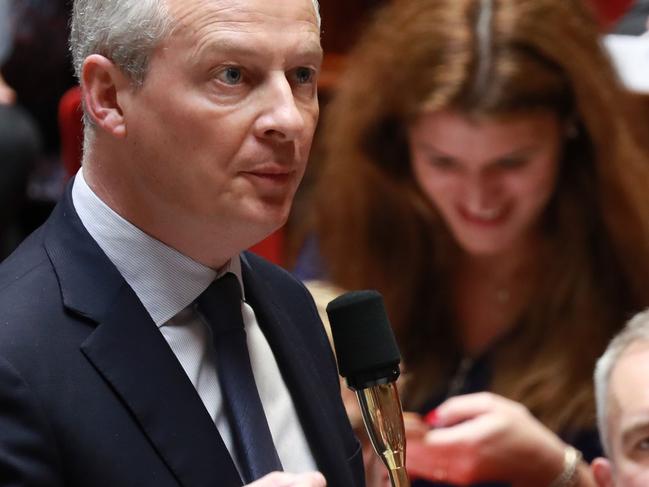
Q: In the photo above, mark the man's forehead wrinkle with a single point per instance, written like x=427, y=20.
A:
x=190, y=20
x=232, y=35
x=193, y=17
x=249, y=26
x=205, y=25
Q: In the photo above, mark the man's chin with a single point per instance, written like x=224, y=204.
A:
x=270, y=212
x=267, y=224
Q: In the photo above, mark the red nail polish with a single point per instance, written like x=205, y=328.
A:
x=431, y=418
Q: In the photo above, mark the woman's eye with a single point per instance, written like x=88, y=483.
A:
x=441, y=162
x=230, y=76
x=512, y=162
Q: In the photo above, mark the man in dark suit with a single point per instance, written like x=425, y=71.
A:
x=123, y=361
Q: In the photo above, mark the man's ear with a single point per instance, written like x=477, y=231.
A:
x=101, y=80
x=603, y=472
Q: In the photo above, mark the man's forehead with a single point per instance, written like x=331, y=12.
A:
x=248, y=28
x=209, y=21
x=184, y=11
x=629, y=385
x=633, y=364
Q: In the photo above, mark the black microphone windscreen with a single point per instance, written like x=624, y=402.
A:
x=365, y=346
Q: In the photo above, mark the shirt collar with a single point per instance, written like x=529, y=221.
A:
x=165, y=280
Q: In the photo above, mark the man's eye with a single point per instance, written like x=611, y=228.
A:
x=643, y=445
x=304, y=75
x=230, y=76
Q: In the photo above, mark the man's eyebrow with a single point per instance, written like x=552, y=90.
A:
x=634, y=427
x=223, y=45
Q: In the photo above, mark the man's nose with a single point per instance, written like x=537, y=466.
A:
x=281, y=118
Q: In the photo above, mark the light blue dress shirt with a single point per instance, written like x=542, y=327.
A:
x=167, y=283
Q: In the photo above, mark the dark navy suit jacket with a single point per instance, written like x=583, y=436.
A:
x=91, y=394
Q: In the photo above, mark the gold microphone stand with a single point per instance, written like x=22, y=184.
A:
x=381, y=408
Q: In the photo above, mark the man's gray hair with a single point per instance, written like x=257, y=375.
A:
x=636, y=330
x=124, y=31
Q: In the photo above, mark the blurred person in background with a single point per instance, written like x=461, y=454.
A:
x=20, y=143
x=622, y=392
x=484, y=171
x=39, y=67
x=7, y=94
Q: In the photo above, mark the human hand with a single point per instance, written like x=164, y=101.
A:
x=483, y=437
x=283, y=479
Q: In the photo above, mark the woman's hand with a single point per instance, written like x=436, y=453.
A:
x=484, y=437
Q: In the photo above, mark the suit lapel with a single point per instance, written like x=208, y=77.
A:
x=302, y=378
x=130, y=353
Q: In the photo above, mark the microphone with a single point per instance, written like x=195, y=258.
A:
x=368, y=358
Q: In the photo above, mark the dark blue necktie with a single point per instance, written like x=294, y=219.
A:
x=220, y=304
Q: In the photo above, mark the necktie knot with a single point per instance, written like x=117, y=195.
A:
x=220, y=303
